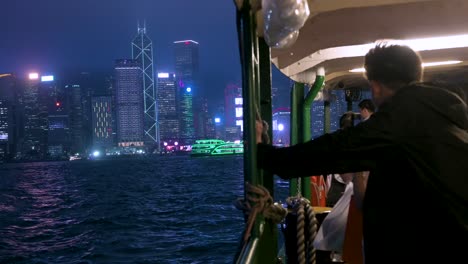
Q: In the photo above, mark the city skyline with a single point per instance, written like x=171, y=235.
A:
x=90, y=35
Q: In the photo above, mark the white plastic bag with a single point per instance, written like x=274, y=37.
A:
x=330, y=236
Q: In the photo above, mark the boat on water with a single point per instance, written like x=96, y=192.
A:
x=319, y=45
x=216, y=147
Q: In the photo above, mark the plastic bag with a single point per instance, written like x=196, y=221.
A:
x=282, y=21
x=331, y=234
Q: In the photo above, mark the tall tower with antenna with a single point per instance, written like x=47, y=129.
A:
x=142, y=51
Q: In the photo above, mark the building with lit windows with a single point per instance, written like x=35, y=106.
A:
x=142, y=51
x=281, y=126
x=187, y=130
x=168, y=120
x=231, y=111
x=203, y=121
x=76, y=120
x=9, y=129
x=129, y=103
x=38, y=94
x=187, y=77
x=4, y=128
x=58, y=134
x=102, y=122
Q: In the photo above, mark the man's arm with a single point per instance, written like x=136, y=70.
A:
x=350, y=150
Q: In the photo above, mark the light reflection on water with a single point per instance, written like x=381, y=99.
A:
x=172, y=209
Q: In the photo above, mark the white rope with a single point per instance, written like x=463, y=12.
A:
x=305, y=221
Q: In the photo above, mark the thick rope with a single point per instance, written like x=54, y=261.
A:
x=259, y=201
x=305, y=221
x=312, y=232
x=300, y=224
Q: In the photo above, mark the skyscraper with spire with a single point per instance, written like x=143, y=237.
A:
x=142, y=51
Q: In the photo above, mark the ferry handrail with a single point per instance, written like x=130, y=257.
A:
x=256, y=69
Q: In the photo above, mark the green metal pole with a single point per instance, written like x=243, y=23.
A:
x=265, y=100
x=256, y=67
x=297, y=98
x=268, y=245
x=249, y=90
x=306, y=121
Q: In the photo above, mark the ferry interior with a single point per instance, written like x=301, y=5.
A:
x=331, y=42
x=338, y=34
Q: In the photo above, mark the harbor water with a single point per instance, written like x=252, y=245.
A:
x=161, y=209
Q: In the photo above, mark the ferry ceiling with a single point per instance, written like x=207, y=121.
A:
x=337, y=34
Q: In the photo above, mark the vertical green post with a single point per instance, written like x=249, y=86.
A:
x=250, y=89
x=265, y=100
x=268, y=246
x=297, y=99
x=306, y=122
x=262, y=245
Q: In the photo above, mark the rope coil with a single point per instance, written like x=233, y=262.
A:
x=259, y=201
x=306, y=229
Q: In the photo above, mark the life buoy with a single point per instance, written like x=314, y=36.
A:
x=318, y=191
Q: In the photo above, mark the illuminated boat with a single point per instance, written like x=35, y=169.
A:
x=216, y=147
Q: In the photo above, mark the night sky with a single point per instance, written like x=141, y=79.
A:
x=88, y=35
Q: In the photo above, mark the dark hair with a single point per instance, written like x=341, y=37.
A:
x=347, y=120
x=367, y=104
x=393, y=65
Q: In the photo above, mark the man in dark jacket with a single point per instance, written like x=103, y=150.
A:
x=415, y=146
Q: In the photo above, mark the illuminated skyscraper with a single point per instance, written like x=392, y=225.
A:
x=129, y=100
x=102, y=122
x=202, y=121
x=233, y=105
x=34, y=98
x=8, y=116
x=58, y=134
x=142, y=51
x=186, y=70
x=74, y=93
x=166, y=92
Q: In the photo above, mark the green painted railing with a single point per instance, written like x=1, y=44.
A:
x=262, y=245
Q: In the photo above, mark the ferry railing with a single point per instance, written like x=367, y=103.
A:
x=261, y=246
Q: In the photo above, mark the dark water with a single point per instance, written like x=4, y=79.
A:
x=168, y=209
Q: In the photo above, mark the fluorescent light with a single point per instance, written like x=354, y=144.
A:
x=424, y=64
x=438, y=63
x=163, y=75
x=358, y=70
x=422, y=44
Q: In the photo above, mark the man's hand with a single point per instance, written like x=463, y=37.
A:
x=259, y=130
